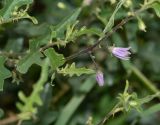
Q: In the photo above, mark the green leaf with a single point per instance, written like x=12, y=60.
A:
x=25, y=63
x=73, y=33
x=156, y=7
x=148, y=98
x=14, y=45
x=155, y=108
x=10, y=5
x=75, y=102
x=4, y=72
x=56, y=59
x=61, y=27
x=33, y=31
x=72, y=70
x=34, y=55
x=22, y=97
x=11, y=12
x=93, y=31
x=110, y=23
x=28, y=107
x=43, y=39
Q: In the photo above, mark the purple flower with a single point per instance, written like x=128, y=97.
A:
x=121, y=53
x=99, y=78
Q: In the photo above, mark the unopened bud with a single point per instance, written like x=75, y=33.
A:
x=99, y=78
x=141, y=25
x=133, y=103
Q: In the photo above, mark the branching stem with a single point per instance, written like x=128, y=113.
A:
x=118, y=26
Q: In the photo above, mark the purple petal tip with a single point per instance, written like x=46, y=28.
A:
x=99, y=78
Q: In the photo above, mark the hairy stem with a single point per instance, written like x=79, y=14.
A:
x=115, y=110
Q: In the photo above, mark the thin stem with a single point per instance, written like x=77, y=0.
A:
x=91, y=48
x=86, y=50
x=93, y=60
x=48, y=46
x=115, y=110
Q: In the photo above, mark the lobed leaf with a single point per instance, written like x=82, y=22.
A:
x=25, y=63
x=29, y=103
x=11, y=12
x=4, y=72
x=56, y=59
x=61, y=27
x=72, y=70
x=34, y=55
x=156, y=7
x=9, y=6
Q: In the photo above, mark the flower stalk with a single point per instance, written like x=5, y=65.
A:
x=99, y=74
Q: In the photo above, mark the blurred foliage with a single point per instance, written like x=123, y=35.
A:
x=46, y=77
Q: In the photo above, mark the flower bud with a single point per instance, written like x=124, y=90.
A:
x=133, y=103
x=99, y=78
x=120, y=52
x=141, y=25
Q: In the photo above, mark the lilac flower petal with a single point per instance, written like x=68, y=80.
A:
x=122, y=57
x=122, y=53
x=99, y=78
